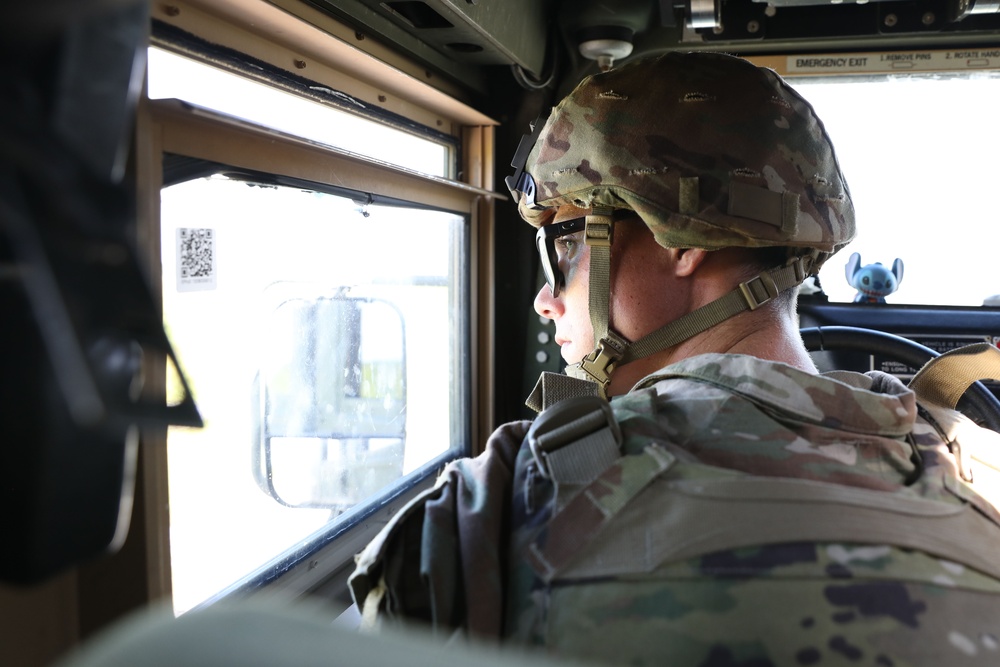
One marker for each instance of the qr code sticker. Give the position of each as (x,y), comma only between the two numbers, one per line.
(196,254)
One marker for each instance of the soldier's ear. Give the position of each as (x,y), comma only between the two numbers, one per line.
(686,260)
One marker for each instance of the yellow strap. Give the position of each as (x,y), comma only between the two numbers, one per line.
(372,605)
(944,379)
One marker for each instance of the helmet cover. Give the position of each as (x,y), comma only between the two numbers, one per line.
(708,149)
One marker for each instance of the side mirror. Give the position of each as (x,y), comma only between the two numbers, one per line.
(329,409)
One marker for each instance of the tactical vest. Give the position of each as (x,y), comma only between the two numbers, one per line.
(631,542)
(630,550)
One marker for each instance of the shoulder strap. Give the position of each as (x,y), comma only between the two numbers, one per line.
(575,440)
(552,388)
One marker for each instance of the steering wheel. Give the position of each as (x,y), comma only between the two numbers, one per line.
(978,403)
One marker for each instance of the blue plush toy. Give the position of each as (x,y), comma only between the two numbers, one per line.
(874,282)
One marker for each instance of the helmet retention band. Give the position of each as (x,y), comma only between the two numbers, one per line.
(749,295)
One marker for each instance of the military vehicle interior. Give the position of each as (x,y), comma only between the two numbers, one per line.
(208,204)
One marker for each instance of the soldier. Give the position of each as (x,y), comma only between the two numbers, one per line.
(728,505)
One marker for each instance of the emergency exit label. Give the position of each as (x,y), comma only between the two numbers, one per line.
(904,61)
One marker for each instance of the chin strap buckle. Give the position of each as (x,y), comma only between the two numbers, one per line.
(598,366)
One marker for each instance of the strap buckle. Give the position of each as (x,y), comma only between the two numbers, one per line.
(759,290)
(800,266)
(600,228)
(600,364)
(570,421)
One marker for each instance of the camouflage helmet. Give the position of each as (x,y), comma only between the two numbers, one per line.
(709,150)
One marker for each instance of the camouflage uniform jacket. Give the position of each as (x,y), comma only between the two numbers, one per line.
(758,516)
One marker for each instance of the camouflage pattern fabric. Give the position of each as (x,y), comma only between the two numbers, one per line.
(728,155)
(788,603)
(441,561)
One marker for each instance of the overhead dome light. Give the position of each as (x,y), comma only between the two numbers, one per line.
(605,44)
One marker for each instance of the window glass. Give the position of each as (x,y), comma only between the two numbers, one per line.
(324,342)
(174,76)
(919,156)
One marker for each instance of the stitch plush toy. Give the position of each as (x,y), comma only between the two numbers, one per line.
(874,282)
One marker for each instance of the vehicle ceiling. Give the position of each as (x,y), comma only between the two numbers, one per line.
(464,38)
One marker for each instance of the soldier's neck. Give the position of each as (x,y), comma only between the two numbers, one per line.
(768,336)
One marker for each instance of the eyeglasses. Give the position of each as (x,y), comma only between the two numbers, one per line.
(545,241)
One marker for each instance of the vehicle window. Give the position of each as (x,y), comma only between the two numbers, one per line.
(919,156)
(323,342)
(324,335)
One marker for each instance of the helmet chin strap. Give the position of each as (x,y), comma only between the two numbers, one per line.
(592,375)
(598,366)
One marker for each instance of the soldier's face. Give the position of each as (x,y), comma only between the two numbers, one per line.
(645,292)
(570,310)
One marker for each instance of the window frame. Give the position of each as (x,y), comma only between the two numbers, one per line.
(177,128)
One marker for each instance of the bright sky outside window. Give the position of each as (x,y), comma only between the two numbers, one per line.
(174,76)
(919,154)
(323,344)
